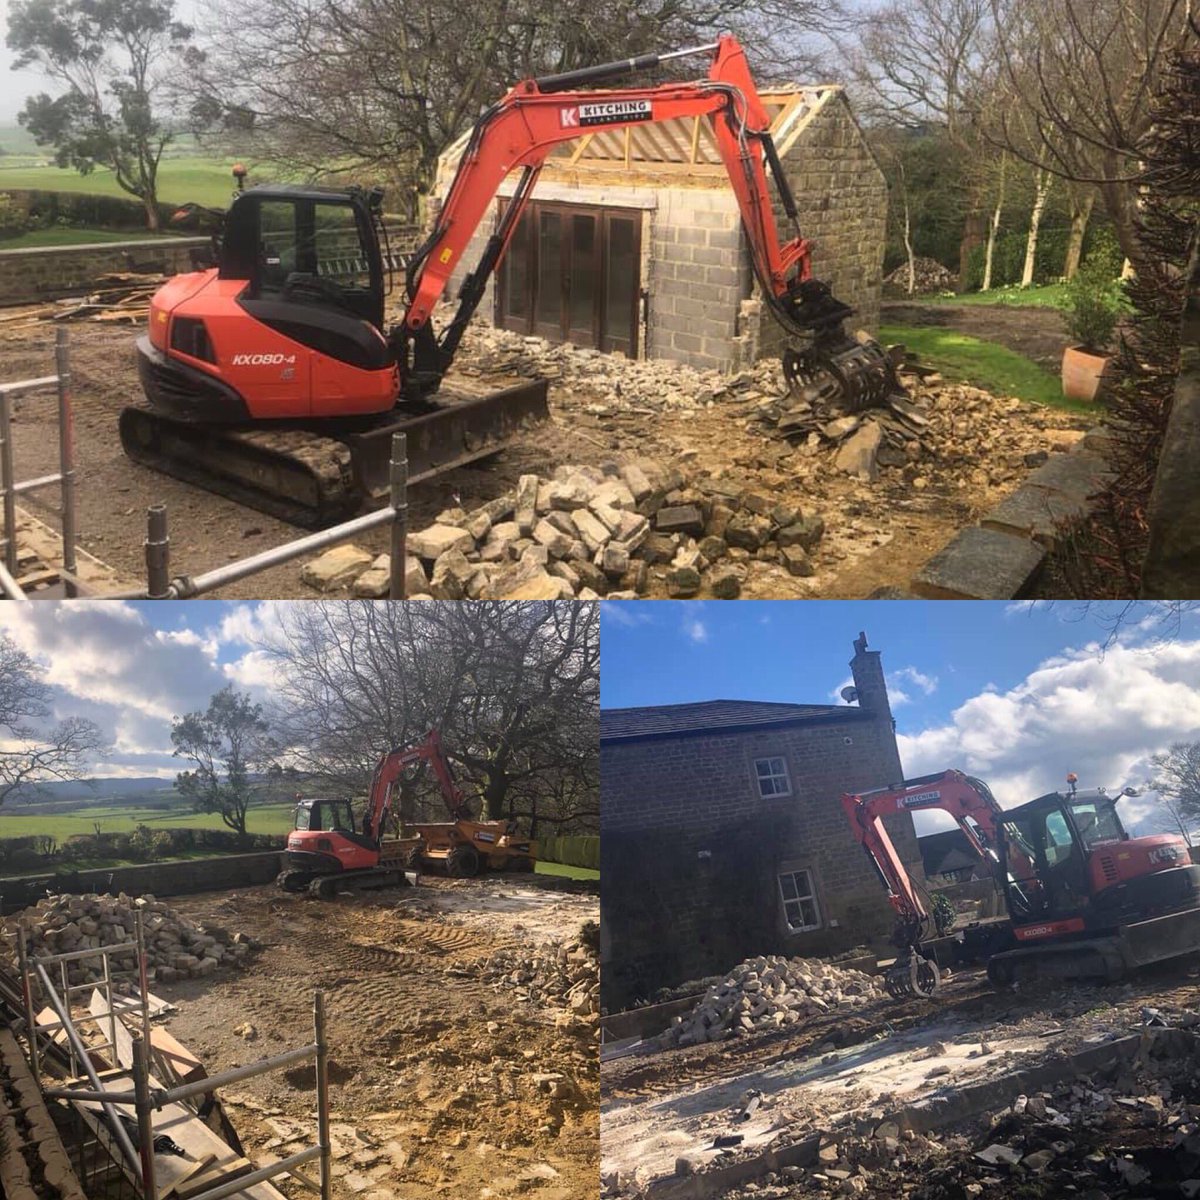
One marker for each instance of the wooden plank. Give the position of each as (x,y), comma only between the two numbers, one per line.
(194,1184)
(201,1164)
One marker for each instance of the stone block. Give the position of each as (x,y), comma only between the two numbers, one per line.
(684,518)
(338,567)
(557,543)
(981,564)
(430,544)
(525,504)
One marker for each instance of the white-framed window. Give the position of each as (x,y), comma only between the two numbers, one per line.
(799,895)
(772,775)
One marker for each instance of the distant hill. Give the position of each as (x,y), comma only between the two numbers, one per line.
(98,790)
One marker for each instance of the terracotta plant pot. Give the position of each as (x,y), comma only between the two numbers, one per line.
(1081,373)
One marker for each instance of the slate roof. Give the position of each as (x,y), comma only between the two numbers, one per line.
(722,716)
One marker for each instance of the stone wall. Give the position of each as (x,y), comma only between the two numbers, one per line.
(842,198)
(691,854)
(1172,566)
(157,879)
(48,272)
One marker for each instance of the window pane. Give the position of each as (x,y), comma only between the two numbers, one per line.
(339,255)
(549,279)
(620,284)
(516,271)
(277,240)
(787,885)
(582,283)
(809,911)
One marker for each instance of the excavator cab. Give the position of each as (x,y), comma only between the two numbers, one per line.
(324,815)
(307,247)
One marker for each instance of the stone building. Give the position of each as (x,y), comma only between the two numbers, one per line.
(633,241)
(723,835)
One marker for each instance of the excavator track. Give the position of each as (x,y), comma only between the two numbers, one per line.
(315,476)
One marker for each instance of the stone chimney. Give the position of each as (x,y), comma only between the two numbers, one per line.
(867,670)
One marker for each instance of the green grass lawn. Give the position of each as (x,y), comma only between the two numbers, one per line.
(267,818)
(62,235)
(986,365)
(549,868)
(1052,295)
(204,180)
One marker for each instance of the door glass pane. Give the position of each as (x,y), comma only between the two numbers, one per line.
(549,277)
(276,241)
(582,284)
(620,284)
(516,272)
(338,253)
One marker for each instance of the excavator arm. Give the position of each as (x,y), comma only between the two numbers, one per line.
(519,132)
(393,764)
(975,810)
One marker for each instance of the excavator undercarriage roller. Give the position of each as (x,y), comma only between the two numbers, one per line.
(852,374)
(912,975)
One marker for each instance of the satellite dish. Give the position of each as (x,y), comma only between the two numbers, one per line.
(849,694)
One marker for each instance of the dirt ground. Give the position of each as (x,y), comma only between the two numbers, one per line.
(434,1070)
(1037,333)
(839,1070)
(877,534)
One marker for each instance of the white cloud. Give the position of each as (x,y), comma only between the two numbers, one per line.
(695,630)
(629,613)
(898,695)
(927,683)
(255,671)
(1100,715)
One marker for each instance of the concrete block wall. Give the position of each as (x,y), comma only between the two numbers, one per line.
(691,853)
(842,198)
(699,274)
(39,273)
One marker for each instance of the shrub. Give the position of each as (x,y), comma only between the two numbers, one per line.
(944,914)
(13,218)
(1094,304)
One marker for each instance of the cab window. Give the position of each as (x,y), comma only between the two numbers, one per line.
(1096,823)
(1059,845)
(303,818)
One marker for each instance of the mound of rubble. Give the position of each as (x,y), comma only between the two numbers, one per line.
(771,993)
(929,275)
(562,974)
(176,948)
(590,532)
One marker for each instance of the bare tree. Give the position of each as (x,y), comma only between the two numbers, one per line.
(384,87)
(513,688)
(34,751)
(1177,782)
(921,64)
(1082,75)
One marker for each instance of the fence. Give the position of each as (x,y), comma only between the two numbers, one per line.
(10,489)
(573,851)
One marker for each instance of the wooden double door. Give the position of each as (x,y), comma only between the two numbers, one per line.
(572,274)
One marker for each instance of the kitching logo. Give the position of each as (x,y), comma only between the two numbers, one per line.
(262,360)
(610,112)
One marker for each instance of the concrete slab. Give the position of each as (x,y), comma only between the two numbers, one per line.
(1035,512)
(981,564)
(1078,474)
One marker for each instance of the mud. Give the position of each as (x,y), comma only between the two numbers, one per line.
(434,1084)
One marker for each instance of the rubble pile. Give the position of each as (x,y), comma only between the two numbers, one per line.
(771,993)
(929,275)
(590,532)
(563,974)
(176,948)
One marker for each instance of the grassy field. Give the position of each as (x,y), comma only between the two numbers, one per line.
(1052,295)
(267,818)
(549,868)
(204,180)
(64,235)
(995,368)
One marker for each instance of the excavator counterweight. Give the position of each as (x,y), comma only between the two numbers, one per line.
(270,375)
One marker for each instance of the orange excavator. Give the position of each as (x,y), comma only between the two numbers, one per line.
(325,850)
(1084,898)
(268,370)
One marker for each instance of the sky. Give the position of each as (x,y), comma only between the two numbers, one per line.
(1016,694)
(131,667)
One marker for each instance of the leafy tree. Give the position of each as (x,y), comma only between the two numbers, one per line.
(33,752)
(228,742)
(1177,782)
(111,58)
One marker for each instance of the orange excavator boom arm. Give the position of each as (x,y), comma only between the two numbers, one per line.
(393,764)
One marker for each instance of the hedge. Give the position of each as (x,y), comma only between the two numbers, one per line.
(43,208)
(572,851)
